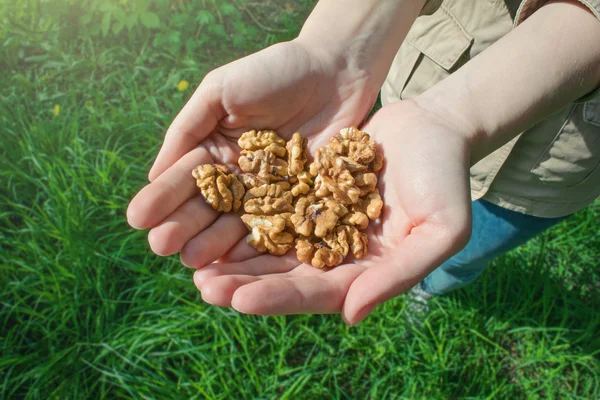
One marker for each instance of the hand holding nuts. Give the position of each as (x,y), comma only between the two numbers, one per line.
(319,208)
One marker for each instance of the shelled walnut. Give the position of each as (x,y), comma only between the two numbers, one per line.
(367,208)
(377,162)
(318,208)
(355,144)
(268,233)
(251,180)
(332,178)
(365,182)
(341,186)
(296,149)
(262,140)
(316,216)
(269,199)
(331,250)
(219,187)
(301,183)
(264,164)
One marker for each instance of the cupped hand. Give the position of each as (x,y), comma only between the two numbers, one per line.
(426,219)
(288,87)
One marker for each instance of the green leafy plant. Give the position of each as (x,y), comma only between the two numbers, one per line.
(175,27)
(115,16)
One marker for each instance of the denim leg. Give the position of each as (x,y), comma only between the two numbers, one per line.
(496,230)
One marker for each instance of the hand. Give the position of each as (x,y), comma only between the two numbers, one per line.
(288,87)
(426,219)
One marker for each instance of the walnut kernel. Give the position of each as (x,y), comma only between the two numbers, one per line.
(332,178)
(339,185)
(302,183)
(367,208)
(354,143)
(331,250)
(219,187)
(268,199)
(268,233)
(264,164)
(318,217)
(377,162)
(296,150)
(366,182)
(263,140)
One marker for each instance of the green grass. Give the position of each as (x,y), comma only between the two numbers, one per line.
(89,312)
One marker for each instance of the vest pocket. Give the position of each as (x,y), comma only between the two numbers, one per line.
(574,154)
(436,45)
(441,38)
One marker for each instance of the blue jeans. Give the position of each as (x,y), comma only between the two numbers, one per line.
(496,230)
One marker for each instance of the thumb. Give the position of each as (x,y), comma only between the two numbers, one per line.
(198,118)
(426,247)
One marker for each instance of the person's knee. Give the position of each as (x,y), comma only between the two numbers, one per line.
(452,275)
(465,263)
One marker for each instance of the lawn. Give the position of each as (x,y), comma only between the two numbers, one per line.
(89,312)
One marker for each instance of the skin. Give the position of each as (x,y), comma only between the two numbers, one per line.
(324,81)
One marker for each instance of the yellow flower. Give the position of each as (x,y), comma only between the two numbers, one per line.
(183,85)
(88,104)
(56,110)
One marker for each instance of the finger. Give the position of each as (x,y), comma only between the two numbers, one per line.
(191,218)
(218,287)
(242,251)
(426,247)
(169,191)
(219,290)
(319,294)
(261,265)
(210,244)
(198,118)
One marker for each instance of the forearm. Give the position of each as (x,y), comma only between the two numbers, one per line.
(550,60)
(363,34)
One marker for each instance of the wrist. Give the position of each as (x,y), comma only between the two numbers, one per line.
(450,107)
(363,38)
(409,124)
(340,62)
(336,67)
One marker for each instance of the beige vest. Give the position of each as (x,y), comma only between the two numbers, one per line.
(550,170)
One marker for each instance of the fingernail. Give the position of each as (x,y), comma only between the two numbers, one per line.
(151,174)
(131,216)
(364,313)
(200,277)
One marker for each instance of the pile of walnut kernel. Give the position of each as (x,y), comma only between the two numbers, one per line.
(319,210)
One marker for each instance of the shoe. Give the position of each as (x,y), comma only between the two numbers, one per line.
(417,306)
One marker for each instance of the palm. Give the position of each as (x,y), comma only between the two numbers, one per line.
(285,88)
(426,213)
(288,89)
